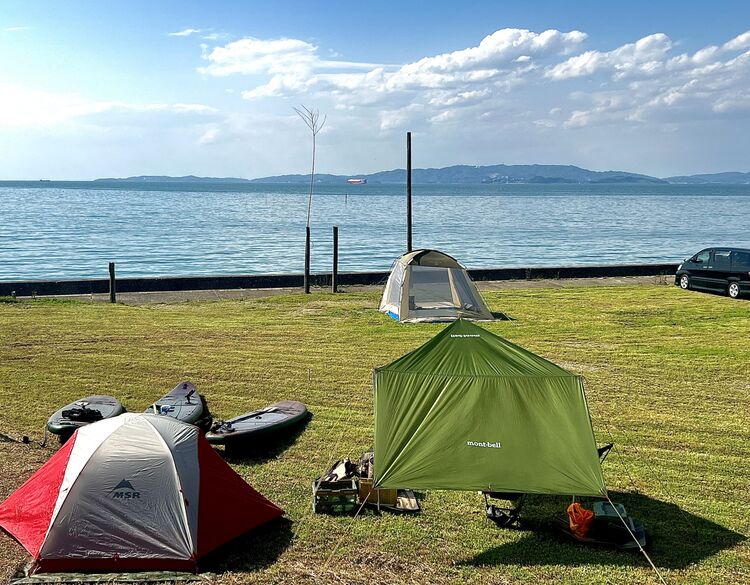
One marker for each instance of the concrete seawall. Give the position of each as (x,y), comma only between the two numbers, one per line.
(260,281)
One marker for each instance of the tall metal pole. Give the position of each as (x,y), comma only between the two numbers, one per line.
(408,192)
(335,271)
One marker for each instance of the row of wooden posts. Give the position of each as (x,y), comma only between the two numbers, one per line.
(334,271)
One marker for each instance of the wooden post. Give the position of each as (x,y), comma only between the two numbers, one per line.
(112,285)
(335,272)
(408,192)
(307,261)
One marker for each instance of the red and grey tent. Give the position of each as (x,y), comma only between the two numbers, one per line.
(132,493)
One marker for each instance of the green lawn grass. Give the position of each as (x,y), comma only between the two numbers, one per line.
(668,379)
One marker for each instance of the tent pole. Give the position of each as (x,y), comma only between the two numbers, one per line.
(645,554)
(408,192)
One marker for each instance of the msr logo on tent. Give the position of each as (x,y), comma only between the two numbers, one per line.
(125,491)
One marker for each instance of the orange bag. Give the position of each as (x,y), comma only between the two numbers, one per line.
(580,519)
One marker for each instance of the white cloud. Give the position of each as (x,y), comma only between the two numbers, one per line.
(738,43)
(185,32)
(214,36)
(253,56)
(645,56)
(497,51)
(652,86)
(637,82)
(294,67)
(15,28)
(22,107)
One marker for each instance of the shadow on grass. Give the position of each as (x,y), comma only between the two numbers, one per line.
(675,538)
(254,551)
(266,447)
(499,316)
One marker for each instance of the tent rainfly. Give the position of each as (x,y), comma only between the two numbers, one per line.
(137,492)
(428,285)
(469,410)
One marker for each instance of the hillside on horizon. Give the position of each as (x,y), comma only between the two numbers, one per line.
(467,174)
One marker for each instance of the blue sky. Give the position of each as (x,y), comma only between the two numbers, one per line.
(122,88)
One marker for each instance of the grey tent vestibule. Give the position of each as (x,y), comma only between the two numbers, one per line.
(428,285)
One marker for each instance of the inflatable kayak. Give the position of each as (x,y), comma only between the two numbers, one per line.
(184,404)
(273,418)
(82,412)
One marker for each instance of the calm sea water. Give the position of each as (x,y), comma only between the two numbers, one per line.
(71,230)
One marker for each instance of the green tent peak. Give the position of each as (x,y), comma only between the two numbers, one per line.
(466,349)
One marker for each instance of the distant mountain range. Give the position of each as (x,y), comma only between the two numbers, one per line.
(485,174)
(465,174)
(721,178)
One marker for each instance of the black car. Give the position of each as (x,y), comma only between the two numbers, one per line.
(725,270)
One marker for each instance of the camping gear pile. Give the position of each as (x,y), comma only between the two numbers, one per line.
(347,487)
(608,524)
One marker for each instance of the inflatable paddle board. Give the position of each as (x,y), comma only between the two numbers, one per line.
(184,404)
(276,417)
(82,412)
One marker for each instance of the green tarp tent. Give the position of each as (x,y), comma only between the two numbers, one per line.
(471,411)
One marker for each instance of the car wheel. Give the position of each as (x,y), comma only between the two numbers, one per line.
(733,290)
(684,282)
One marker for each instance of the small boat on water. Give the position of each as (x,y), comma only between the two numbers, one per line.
(82,412)
(259,423)
(184,404)
(357,181)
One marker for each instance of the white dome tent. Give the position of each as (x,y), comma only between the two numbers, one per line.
(428,285)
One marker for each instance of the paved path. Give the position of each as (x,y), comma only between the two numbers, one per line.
(247,293)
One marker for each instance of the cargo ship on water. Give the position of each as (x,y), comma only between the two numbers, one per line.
(357,181)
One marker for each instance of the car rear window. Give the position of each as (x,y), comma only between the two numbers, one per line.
(721,259)
(741,260)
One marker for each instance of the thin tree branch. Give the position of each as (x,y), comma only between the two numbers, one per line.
(311,118)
